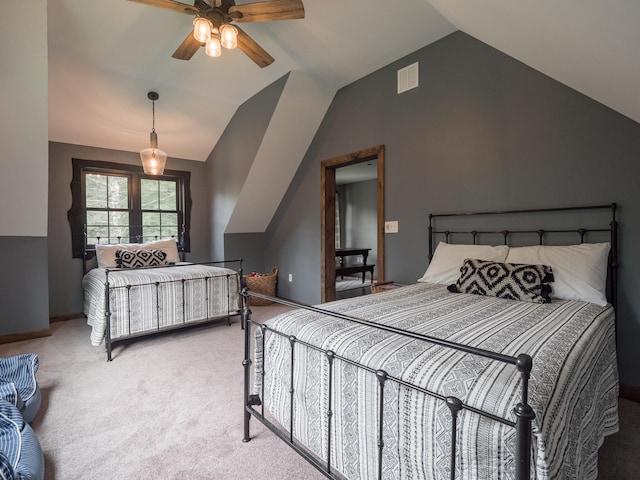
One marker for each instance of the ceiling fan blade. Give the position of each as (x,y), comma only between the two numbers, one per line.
(170,5)
(187,48)
(267,11)
(254,51)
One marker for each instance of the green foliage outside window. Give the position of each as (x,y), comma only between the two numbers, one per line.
(107,200)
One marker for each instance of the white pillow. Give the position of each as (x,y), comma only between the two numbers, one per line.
(448,258)
(168,246)
(580,271)
(106,254)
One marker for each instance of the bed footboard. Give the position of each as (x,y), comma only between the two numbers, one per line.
(253,405)
(162,304)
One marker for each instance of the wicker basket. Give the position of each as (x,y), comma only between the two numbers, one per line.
(264,283)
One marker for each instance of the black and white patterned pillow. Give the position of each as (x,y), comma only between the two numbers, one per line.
(512,281)
(140,258)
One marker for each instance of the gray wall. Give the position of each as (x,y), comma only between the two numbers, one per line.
(65,273)
(23,181)
(230,161)
(482,131)
(249,247)
(24,297)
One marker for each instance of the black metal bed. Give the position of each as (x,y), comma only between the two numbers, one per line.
(203,281)
(181,316)
(253,406)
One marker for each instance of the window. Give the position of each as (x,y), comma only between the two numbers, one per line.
(118,203)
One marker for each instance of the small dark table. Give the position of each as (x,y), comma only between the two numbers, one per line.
(349,252)
(363,267)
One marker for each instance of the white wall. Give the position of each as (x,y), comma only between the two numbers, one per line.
(23,118)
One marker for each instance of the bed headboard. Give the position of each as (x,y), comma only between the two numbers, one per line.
(134,236)
(541,226)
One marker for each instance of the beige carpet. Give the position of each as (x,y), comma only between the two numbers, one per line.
(170,407)
(166,407)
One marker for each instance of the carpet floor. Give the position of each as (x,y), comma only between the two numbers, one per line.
(170,407)
(166,407)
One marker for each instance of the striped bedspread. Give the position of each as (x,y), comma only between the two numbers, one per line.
(573,384)
(206,292)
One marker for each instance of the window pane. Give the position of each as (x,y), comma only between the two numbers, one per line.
(118,192)
(97,227)
(119,235)
(150,225)
(168,198)
(95,191)
(169,225)
(150,219)
(119,219)
(149,194)
(169,232)
(169,219)
(97,218)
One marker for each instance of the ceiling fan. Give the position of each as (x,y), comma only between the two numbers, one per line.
(213,26)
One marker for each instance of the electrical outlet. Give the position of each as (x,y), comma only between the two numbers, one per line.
(391,227)
(291,277)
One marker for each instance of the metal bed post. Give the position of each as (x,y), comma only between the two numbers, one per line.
(525,415)
(614,258)
(292,342)
(246,363)
(330,358)
(455,405)
(382,378)
(107,314)
(158,304)
(430,237)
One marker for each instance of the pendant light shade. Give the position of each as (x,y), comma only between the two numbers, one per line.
(202,29)
(228,36)
(153,159)
(213,48)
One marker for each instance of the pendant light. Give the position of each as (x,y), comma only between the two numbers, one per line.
(153,159)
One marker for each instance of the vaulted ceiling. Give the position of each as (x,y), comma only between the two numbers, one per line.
(104,56)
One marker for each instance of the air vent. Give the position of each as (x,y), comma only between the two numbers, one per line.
(408,78)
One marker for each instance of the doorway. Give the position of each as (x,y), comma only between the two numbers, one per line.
(328,206)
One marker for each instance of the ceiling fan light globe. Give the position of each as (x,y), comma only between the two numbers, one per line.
(229,36)
(202,29)
(212,47)
(153,161)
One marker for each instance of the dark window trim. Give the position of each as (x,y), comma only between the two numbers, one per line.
(76,214)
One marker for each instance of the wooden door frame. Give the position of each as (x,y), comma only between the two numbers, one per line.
(328,206)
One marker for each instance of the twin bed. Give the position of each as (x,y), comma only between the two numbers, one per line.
(500,362)
(140,289)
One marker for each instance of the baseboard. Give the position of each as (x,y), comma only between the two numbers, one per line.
(65,316)
(630,392)
(18,337)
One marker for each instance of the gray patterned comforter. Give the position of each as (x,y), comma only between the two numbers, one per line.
(573,385)
(207,292)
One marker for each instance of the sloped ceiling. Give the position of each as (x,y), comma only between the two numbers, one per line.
(104,56)
(589,45)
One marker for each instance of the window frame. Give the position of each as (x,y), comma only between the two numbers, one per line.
(77,213)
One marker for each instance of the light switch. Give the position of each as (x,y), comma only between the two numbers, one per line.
(391,226)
